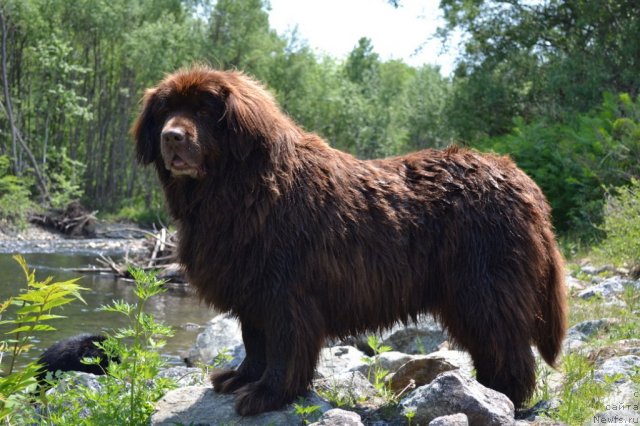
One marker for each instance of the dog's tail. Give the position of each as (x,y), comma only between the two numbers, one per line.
(552,325)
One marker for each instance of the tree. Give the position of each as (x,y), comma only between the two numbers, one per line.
(541,58)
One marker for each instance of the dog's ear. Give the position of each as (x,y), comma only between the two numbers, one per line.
(243,133)
(146,129)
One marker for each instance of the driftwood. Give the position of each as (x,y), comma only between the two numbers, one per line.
(74,220)
(160,257)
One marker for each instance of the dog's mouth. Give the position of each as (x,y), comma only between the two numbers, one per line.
(179,166)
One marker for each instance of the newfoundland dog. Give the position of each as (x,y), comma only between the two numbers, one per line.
(302,242)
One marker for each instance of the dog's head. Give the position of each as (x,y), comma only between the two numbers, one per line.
(199,116)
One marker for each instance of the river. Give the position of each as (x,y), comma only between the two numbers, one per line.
(178,308)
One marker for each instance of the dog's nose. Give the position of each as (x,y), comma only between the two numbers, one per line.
(173,136)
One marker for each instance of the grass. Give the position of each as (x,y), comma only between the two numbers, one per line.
(580,396)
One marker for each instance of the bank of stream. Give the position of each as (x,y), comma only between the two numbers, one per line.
(53,255)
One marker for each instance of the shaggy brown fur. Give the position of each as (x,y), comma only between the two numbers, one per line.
(303,242)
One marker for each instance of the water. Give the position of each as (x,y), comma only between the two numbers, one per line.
(178,308)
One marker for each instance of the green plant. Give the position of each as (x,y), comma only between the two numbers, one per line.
(128,393)
(380,374)
(32,313)
(308,413)
(581,394)
(337,396)
(621,226)
(222,357)
(65,175)
(543,390)
(375,368)
(410,413)
(145,212)
(15,197)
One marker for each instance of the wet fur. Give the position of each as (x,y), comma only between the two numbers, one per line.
(303,242)
(67,355)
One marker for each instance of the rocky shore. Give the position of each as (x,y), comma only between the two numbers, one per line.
(421,380)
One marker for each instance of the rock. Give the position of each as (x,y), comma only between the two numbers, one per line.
(421,338)
(594,270)
(542,410)
(460,359)
(346,388)
(452,393)
(619,372)
(422,370)
(338,417)
(199,405)
(615,349)
(185,376)
(583,331)
(72,379)
(574,283)
(591,327)
(392,360)
(339,359)
(607,289)
(571,344)
(623,366)
(221,335)
(388,361)
(459,419)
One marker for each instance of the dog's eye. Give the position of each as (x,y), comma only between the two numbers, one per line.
(202,112)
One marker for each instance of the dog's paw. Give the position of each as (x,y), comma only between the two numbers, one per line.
(257,398)
(228,381)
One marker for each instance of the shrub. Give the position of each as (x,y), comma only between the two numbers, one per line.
(574,161)
(622,226)
(32,311)
(65,175)
(128,393)
(15,202)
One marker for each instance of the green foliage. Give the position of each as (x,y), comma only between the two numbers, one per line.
(15,196)
(144,212)
(409,414)
(622,226)
(31,313)
(308,413)
(377,375)
(128,393)
(581,394)
(572,161)
(538,59)
(66,176)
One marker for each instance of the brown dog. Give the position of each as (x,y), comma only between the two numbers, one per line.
(303,242)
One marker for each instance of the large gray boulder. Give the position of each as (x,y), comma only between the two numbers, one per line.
(453,393)
(338,417)
(339,359)
(202,406)
(221,335)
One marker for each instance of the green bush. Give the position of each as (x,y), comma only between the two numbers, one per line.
(65,176)
(127,394)
(622,226)
(30,316)
(130,390)
(573,162)
(145,211)
(15,197)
